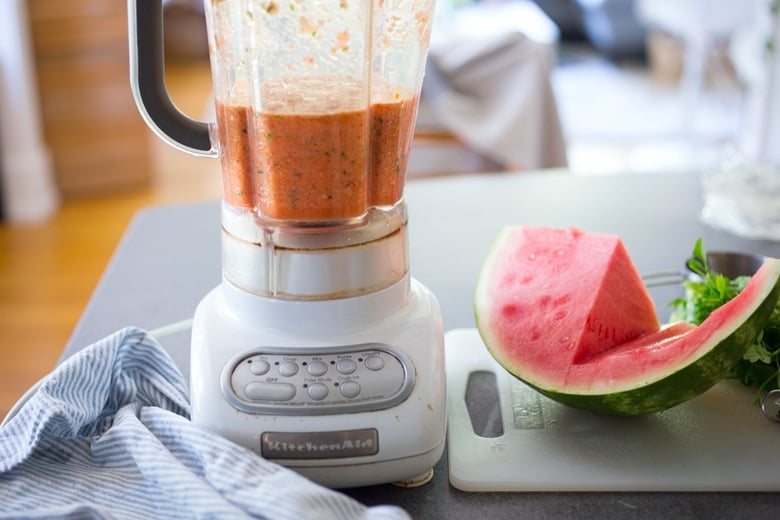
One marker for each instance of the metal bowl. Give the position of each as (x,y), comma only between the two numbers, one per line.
(732,264)
(728,263)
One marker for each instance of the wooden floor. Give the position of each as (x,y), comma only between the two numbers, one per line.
(48,271)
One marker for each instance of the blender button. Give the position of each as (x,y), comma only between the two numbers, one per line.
(349,389)
(270,391)
(259,367)
(318,391)
(317,368)
(374,363)
(288,368)
(346,366)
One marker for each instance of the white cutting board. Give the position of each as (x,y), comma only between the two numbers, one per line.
(718,441)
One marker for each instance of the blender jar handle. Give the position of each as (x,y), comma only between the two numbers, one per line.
(147,80)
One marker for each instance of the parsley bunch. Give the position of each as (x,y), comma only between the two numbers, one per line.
(760,365)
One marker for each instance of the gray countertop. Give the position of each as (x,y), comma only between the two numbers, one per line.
(169,259)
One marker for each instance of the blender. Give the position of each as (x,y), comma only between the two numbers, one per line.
(317,350)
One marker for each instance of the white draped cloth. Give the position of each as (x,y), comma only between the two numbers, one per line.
(492,89)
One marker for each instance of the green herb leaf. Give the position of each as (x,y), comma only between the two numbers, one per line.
(760,365)
(757,352)
(698,261)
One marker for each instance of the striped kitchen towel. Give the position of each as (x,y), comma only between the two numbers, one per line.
(107,435)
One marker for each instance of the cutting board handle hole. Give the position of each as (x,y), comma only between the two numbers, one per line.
(483,404)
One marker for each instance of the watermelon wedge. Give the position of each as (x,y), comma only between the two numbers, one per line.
(566,312)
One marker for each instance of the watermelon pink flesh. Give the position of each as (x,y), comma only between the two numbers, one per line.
(565,296)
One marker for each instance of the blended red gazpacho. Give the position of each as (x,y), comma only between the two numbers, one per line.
(294,163)
(233,134)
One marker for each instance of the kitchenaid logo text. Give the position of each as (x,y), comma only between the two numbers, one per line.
(319,445)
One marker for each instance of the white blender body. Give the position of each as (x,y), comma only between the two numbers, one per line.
(318,350)
(348,392)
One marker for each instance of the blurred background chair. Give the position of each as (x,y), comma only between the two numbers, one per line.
(703,27)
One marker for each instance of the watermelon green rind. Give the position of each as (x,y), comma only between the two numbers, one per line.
(703,355)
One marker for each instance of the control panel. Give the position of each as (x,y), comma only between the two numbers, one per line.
(318,381)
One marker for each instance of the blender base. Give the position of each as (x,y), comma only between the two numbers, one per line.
(348,392)
(417,481)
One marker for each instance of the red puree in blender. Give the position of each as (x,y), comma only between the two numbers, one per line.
(315,166)
(233,133)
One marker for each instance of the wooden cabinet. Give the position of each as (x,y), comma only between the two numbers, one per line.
(98,141)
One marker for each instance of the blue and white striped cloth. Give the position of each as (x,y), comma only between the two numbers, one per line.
(107,435)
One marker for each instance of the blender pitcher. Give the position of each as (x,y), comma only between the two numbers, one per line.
(315,103)
(315,108)
(318,349)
